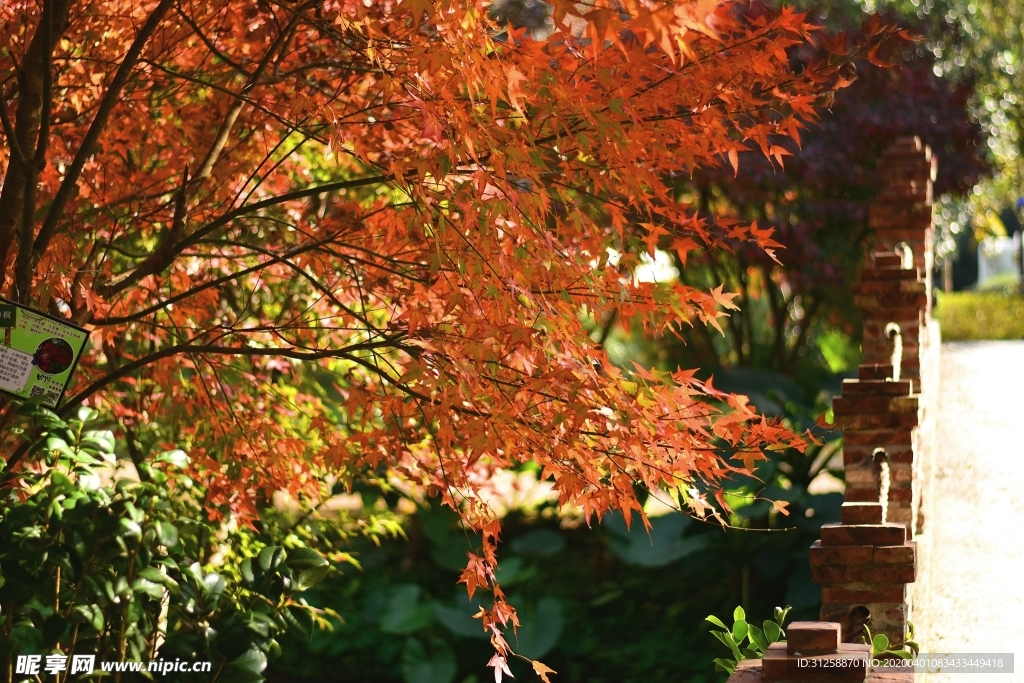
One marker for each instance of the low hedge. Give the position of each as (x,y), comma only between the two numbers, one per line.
(969,316)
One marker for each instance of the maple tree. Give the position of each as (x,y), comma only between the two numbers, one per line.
(324,241)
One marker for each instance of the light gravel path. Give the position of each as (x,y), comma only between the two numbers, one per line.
(975,508)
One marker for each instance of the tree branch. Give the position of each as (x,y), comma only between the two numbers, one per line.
(99,123)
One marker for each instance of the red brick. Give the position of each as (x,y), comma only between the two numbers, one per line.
(887,301)
(863,475)
(867,387)
(889,274)
(898,210)
(905,403)
(886,420)
(911,327)
(896,554)
(854,405)
(888,260)
(874,370)
(778,665)
(899,455)
(901,474)
(861,495)
(878,574)
(831,576)
(863,534)
(840,554)
(878,438)
(861,513)
(863,595)
(812,637)
(910,235)
(897,495)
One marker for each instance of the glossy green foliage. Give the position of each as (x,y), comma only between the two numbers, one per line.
(746,640)
(96,562)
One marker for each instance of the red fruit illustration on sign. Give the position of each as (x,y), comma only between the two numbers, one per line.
(54,356)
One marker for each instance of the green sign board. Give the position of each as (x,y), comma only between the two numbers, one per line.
(38,353)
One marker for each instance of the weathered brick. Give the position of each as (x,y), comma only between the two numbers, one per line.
(889,274)
(878,438)
(812,637)
(861,495)
(882,574)
(854,405)
(896,554)
(888,260)
(875,370)
(831,576)
(897,495)
(899,455)
(885,420)
(861,513)
(863,595)
(840,554)
(779,665)
(897,304)
(863,534)
(900,513)
(865,387)
(900,474)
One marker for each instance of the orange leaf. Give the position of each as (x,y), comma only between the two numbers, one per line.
(543,670)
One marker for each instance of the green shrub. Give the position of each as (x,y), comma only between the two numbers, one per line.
(113,567)
(967,316)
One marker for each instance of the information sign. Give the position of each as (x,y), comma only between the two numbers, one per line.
(38,353)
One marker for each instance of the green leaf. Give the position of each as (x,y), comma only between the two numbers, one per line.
(901,653)
(541,628)
(726,665)
(772,632)
(738,614)
(147,587)
(166,534)
(716,621)
(176,458)
(758,638)
(300,618)
(305,558)
(91,614)
(879,644)
(270,557)
(248,668)
(245,568)
(422,666)
(740,628)
(459,623)
(312,566)
(405,614)
(780,615)
(726,639)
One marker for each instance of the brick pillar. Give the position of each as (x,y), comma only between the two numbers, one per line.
(878,414)
(864,566)
(866,563)
(902,215)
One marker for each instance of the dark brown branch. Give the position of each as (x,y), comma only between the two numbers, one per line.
(197,236)
(99,123)
(178,349)
(118,320)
